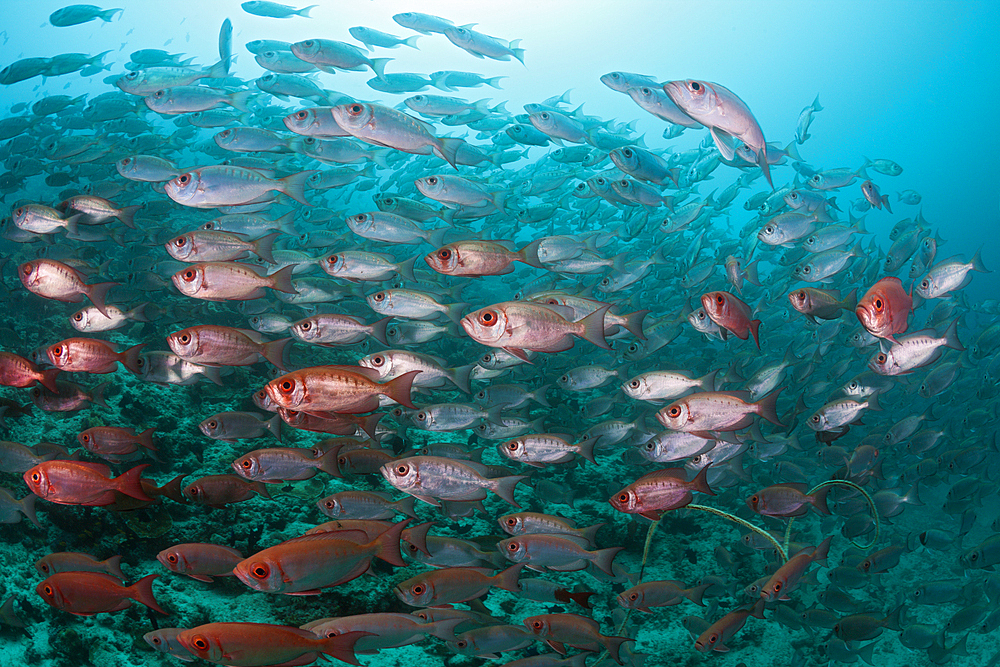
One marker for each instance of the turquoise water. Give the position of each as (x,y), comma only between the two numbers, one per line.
(910,83)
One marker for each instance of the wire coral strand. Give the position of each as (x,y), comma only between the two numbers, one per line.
(871,505)
(746,524)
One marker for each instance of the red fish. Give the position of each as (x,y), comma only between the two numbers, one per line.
(259,644)
(16,371)
(732,314)
(200,561)
(884,309)
(83,483)
(91,355)
(89,593)
(220,490)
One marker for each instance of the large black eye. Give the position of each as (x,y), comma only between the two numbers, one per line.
(444,253)
(879,305)
(623,498)
(537,625)
(418,589)
(627,152)
(512,546)
(184,179)
(200,643)
(172,558)
(402,470)
(184,338)
(674,411)
(189,275)
(356,108)
(721,300)
(286,386)
(78,317)
(881,358)
(260,570)
(487,318)
(306,326)
(302,115)
(695,86)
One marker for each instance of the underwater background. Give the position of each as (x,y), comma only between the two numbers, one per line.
(898,84)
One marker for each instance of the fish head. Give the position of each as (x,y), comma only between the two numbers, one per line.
(354,116)
(626,500)
(307,330)
(203,643)
(542,120)
(636,388)
(926,287)
(707,640)
(81,320)
(288,391)
(881,363)
(38,481)
(184,343)
(263,401)
(50,591)
(630,599)
(514,450)
(31,273)
(248,466)
(183,188)
(306,49)
(538,625)
(616,81)
(445,260)
(818,421)
(173,559)
(180,247)
(773,590)
(695,98)
(876,309)
(794,199)
(432,186)
(512,524)
(800,301)
(419,593)
(513,549)
(771,234)
(380,362)
(675,415)
(261,572)
(459,36)
(60,354)
(487,325)
(403,475)
(719,306)
(804,271)
(757,503)
(301,121)
(331,506)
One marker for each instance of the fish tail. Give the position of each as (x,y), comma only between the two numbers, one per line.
(582,598)
(700,482)
(754,329)
(951,336)
(504,487)
(213,373)
(447,149)
(850,301)
(130,483)
(604,559)
(275,352)
(633,323)
(406,506)
(48,379)
(593,327)
(461,377)
(586,449)
(274,426)
(539,395)
(405,269)
(146,438)
(885,202)
(378,330)
(138,314)
(142,591)
(750,274)
(127,215)
(590,532)
(411,41)
(97,395)
(219,70)
(495,82)
(263,246)
(707,381)
(767,407)
(977,262)
(294,185)
(388,544)
(613,646)
(697,593)
(27,507)
(378,66)
(341,647)
(114,566)
(417,536)
(507,580)
(328,463)
(368,424)
(398,389)
(764,166)
(239,100)
(454,311)
(97,293)
(281,280)
(529,254)
(130,358)
(818,500)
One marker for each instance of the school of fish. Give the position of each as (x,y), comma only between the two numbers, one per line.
(534,376)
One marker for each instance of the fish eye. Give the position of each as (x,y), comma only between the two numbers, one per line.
(814,419)
(461,643)
(881,358)
(85,437)
(48,590)
(308,43)
(694,86)
(329,504)
(633,597)
(402,469)
(356,108)
(379,296)
(200,643)
(418,589)
(172,558)
(78,317)
(26,269)
(189,275)
(768,229)
(537,625)
(879,305)
(184,338)
(378,360)
(35,477)
(623,498)
(754,500)
(260,570)
(180,241)
(307,325)
(247,464)
(634,384)
(674,411)
(806,269)
(512,445)
(285,386)
(793,195)
(432,180)
(512,546)
(444,253)
(924,284)
(721,300)
(511,521)
(57,350)
(544,115)
(487,318)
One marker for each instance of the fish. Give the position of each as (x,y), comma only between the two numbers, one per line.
(275,10)
(258,644)
(454,584)
(884,309)
(231,281)
(656,493)
(54,280)
(433,479)
(519,326)
(949,275)
(16,371)
(89,593)
(83,483)
(200,561)
(339,389)
(224,185)
(724,114)
(707,411)
(78,562)
(78,14)
(732,314)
